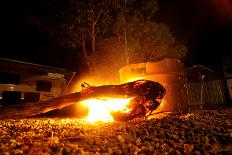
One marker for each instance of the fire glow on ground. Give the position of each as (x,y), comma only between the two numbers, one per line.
(201,132)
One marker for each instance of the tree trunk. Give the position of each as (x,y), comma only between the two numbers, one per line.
(30,109)
(126,90)
(93,38)
(125,35)
(126,47)
(85,53)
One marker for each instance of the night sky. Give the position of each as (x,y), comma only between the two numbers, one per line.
(205,26)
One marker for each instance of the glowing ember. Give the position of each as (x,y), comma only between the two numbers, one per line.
(100,109)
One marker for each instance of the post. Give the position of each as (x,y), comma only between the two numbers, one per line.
(202,88)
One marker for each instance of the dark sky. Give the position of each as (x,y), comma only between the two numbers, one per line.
(17,35)
(205,26)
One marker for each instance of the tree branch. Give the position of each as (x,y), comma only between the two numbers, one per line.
(99,13)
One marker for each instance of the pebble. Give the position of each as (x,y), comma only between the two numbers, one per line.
(201,132)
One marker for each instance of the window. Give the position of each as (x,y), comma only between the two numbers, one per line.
(229,70)
(31,97)
(9,78)
(43,86)
(11,97)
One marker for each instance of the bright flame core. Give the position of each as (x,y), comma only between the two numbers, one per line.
(100,109)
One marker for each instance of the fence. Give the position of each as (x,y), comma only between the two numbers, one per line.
(214,92)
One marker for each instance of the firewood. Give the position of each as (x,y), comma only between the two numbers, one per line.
(144,88)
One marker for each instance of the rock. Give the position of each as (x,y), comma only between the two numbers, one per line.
(120,139)
(215,148)
(205,139)
(165,148)
(175,137)
(133,149)
(188,148)
(175,152)
(197,153)
(57,150)
(161,131)
(138,141)
(166,135)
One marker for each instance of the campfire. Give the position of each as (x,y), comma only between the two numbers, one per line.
(201,132)
(100,109)
(123,109)
(106,103)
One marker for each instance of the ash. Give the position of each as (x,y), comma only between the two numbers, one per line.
(200,132)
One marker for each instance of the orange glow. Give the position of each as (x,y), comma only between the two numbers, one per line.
(100,109)
(134,79)
(93,81)
(223,8)
(162,106)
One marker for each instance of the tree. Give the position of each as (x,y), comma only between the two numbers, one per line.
(143,38)
(85,25)
(108,60)
(88,19)
(128,12)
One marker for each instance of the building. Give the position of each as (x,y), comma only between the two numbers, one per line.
(227,69)
(168,72)
(186,88)
(206,88)
(22,82)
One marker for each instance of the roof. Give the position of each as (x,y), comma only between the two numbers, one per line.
(198,69)
(9,65)
(196,72)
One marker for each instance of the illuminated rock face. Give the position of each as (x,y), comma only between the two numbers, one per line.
(168,72)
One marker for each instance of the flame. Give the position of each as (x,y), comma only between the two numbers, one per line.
(100,109)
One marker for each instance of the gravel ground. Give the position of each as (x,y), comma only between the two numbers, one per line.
(201,132)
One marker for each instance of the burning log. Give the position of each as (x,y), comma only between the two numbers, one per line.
(147,96)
